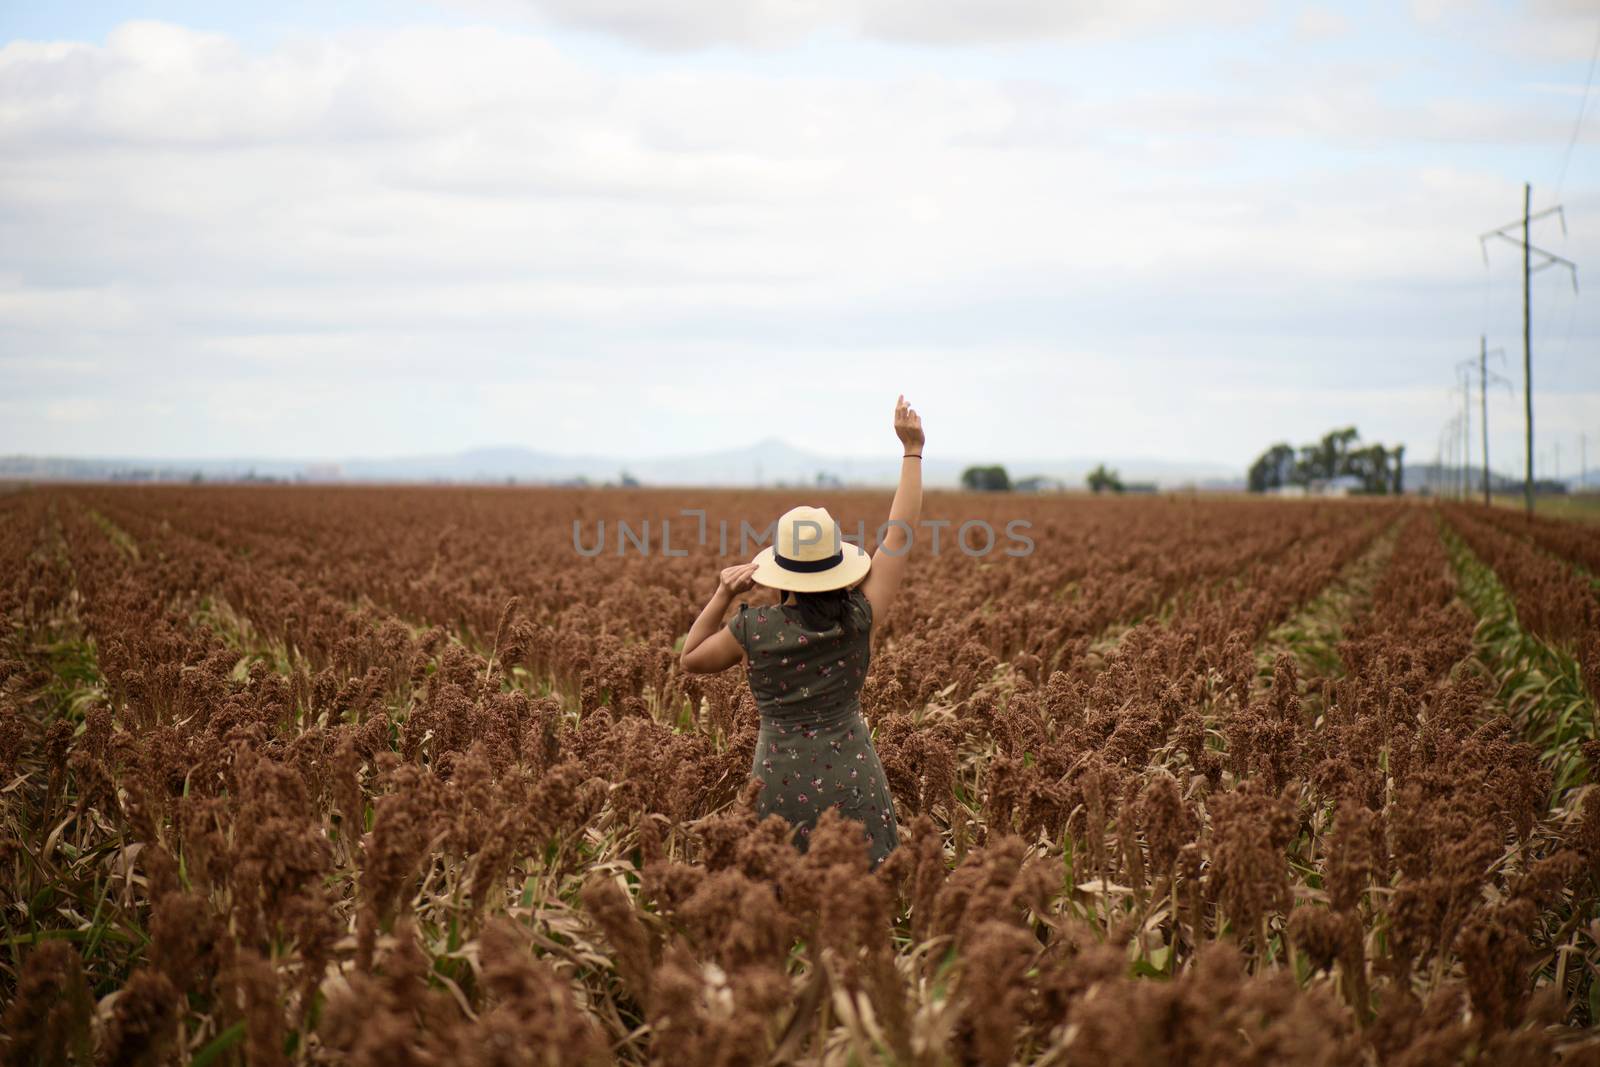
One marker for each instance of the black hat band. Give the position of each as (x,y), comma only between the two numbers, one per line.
(808,566)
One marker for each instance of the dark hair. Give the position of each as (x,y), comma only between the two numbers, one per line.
(824,610)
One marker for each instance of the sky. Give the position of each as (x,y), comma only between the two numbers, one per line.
(1162,228)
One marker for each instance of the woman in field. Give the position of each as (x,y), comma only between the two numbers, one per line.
(808,655)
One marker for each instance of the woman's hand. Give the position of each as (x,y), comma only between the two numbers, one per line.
(907,426)
(737,579)
(889,561)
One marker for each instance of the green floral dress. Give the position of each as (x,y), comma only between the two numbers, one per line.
(814,750)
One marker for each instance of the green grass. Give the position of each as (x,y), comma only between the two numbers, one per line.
(1313,633)
(1580,507)
(1541,685)
(116,534)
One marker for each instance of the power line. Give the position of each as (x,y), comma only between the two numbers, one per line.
(1577,126)
(1566,338)
(1546,259)
(1561,177)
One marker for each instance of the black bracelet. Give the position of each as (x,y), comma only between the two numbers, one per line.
(912,455)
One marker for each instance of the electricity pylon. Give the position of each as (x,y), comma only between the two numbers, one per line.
(1547,259)
(1486,377)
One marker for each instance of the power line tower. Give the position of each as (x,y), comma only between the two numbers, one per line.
(1485,378)
(1464,383)
(1547,259)
(1436,474)
(1451,479)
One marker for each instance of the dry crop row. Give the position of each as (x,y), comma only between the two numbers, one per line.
(398,776)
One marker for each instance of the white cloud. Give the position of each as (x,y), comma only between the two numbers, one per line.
(1551,29)
(770,23)
(1544,30)
(74,409)
(1318,23)
(404,240)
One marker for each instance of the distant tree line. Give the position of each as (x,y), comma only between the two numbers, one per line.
(1339,454)
(1100,479)
(986,479)
(994,479)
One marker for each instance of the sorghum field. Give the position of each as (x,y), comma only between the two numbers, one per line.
(396,776)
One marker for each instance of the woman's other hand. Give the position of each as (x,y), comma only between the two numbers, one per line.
(737,579)
(709,646)
(908,426)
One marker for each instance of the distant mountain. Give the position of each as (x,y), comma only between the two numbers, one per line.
(768,462)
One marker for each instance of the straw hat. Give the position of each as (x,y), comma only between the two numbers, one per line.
(808,555)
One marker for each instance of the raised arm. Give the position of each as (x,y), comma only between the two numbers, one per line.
(710,646)
(889,561)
